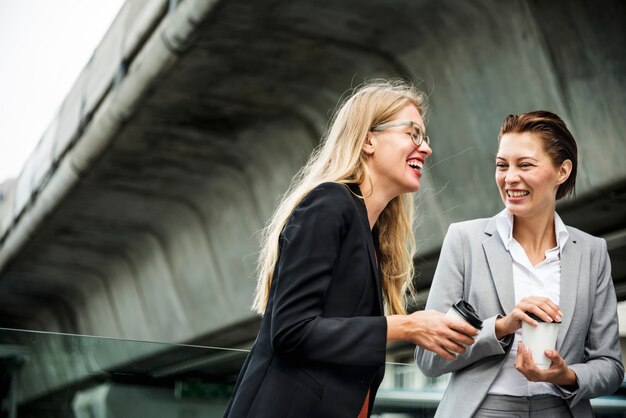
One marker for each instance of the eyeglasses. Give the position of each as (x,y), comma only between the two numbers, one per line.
(417,135)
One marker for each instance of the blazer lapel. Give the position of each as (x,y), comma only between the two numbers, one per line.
(570,272)
(372,244)
(369,241)
(501,267)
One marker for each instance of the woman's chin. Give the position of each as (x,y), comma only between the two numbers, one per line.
(516,210)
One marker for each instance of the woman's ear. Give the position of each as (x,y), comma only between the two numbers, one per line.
(564,171)
(368,144)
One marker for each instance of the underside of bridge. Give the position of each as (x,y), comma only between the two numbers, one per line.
(138,218)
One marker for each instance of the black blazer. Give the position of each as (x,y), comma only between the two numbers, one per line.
(322,340)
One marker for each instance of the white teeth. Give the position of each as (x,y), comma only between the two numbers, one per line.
(517,193)
(415,164)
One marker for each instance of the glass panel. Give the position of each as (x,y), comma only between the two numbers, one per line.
(59,375)
(48,375)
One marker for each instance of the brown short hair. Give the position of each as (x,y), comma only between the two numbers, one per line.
(558,141)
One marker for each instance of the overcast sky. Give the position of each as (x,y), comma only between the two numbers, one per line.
(44,44)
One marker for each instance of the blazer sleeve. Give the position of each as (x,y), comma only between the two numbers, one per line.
(602,372)
(446,289)
(311,243)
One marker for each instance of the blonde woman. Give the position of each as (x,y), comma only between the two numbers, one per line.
(337,256)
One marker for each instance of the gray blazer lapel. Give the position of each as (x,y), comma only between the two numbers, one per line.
(501,267)
(570,270)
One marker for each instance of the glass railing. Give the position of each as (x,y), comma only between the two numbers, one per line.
(60,375)
(50,375)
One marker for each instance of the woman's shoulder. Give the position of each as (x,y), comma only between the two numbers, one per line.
(327,205)
(579,236)
(328,197)
(471,225)
(472,232)
(331,187)
(329,193)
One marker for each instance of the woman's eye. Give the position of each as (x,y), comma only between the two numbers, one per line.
(500,165)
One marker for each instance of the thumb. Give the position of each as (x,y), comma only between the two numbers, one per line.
(553,355)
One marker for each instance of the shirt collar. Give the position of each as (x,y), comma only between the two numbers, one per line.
(562,234)
(504,225)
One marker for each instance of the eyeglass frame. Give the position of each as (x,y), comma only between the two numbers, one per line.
(422,135)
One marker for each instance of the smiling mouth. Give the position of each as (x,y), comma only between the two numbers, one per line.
(416,165)
(517,193)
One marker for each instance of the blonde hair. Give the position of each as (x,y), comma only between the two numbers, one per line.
(339,159)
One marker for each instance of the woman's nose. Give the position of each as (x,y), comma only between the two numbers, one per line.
(425,148)
(512,176)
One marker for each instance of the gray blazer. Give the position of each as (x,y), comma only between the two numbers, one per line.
(475,265)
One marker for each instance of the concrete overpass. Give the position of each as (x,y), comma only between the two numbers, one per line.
(136,215)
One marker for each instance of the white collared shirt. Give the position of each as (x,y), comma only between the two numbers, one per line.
(544,279)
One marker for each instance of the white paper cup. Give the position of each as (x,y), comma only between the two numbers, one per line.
(465,312)
(539,339)
(452,313)
(462,311)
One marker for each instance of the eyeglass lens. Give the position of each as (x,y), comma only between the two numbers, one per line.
(417,136)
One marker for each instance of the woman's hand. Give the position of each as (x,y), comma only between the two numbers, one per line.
(433,331)
(558,373)
(544,308)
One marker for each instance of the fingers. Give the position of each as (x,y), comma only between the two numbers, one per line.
(442,335)
(543,307)
(526,358)
(518,357)
(464,330)
(461,339)
(461,333)
(454,347)
(520,315)
(556,359)
(525,365)
(447,349)
(521,359)
(456,342)
(557,373)
(458,335)
(443,353)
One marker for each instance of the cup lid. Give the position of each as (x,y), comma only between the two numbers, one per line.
(538,319)
(468,312)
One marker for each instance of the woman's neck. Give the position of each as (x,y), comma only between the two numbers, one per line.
(375,201)
(535,234)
